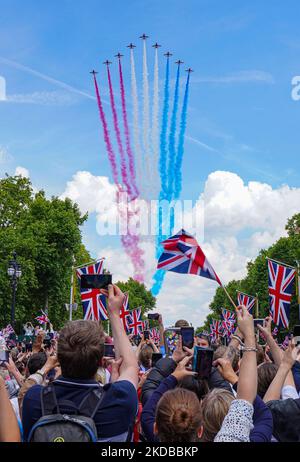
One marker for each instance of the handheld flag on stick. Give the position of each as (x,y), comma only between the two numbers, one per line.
(247,300)
(93,302)
(216,330)
(182,254)
(43,319)
(135,322)
(281,278)
(125,313)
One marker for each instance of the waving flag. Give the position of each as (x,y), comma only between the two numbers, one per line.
(281,280)
(135,322)
(182,254)
(247,300)
(93,302)
(228,322)
(43,319)
(125,313)
(275,332)
(7,331)
(216,330)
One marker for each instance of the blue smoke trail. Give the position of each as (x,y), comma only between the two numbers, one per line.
(159,275)
(172,148)
(180,149)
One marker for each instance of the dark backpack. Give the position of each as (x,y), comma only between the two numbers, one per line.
(55,427)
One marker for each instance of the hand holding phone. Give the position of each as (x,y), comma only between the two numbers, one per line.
(95,281)
(154,316)
(109,351)
(187,335)
(202,362)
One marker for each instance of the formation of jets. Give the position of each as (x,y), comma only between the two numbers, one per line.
(132,46)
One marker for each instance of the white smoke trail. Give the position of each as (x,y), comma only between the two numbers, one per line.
(136,127)
(155,127)
(146,124)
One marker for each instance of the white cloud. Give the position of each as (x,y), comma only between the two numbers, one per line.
(240,219)
(21,171)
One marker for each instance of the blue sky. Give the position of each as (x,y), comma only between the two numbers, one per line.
(241,117)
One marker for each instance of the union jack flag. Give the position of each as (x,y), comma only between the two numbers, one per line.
(93,302)
(281,280)
(154,335)
(7,331)
(125,314)
(135,322)
(43,319)
(182,254)
(228,322)
(275,332)
(285,343)
(246,300)
(216,330)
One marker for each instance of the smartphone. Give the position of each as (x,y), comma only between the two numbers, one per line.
(95,281)
(156,357)
(202,362)
(136,339)
(187,334)
(146,335)
(296,335)
(154,316)
(259,322)
(4,357)
(109,350)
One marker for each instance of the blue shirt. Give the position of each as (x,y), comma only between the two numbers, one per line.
(116,414)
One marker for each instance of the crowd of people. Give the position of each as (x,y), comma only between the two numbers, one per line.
(70,389)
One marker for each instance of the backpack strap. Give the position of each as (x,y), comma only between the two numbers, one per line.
(49,404)
(91,402)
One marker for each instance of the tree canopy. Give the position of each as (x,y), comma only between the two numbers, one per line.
(285,250)
(46,235)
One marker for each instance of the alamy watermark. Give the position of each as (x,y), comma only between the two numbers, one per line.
(295,94)
(151,218)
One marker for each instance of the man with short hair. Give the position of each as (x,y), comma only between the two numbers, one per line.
(80,350)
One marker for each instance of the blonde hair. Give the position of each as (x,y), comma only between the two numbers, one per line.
(215,407)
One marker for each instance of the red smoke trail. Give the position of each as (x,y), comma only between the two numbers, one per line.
(127,135)
(111,154)
(118,135)
(129,242)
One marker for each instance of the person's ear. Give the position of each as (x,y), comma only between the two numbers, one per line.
(155,430)
(200,432)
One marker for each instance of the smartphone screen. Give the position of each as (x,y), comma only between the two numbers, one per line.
(146,335)
(95,281)
(259,322)
(4,357)
(156,357)
(187,334)
(154,316)
(296,334)
(109,350)
(202,363)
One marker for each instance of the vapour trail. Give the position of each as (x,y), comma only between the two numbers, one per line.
(127,135)
(180,149)
(118,134)
(159,274)
(172,135)
(155,123)
(136,127)
(163,135)
(109,148)
(146,123)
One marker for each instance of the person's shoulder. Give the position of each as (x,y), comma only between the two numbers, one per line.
(33,393)
(122,387)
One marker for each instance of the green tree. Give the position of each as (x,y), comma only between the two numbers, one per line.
(46,235)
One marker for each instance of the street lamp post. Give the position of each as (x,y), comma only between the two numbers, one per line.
(14,272)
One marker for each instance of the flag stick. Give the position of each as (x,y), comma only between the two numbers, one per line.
(280,263)
(71,295)
(226,292)
(257,307)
